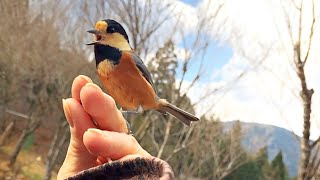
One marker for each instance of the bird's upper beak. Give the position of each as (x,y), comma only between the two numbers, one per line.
(98,36)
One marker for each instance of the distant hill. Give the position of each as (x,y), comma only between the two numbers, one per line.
(256,136)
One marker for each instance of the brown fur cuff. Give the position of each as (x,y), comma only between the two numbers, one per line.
(138,168)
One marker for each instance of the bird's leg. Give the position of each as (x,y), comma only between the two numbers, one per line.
(140,109)
(125,114)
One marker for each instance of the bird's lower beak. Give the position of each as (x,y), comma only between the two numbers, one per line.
(98,36)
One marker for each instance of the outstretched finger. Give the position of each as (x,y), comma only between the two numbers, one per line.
(77,85)
(102,109)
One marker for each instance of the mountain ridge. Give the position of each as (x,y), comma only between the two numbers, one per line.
(257,136)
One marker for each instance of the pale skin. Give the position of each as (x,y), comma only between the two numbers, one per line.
(92,145)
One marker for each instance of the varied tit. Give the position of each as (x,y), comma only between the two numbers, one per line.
(124,75)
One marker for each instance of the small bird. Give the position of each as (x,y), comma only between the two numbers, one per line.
(124,75)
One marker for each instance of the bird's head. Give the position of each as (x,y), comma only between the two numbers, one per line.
(110,32)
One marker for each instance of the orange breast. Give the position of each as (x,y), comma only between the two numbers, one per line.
(126,85)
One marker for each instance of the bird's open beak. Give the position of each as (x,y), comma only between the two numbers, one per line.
(98,36)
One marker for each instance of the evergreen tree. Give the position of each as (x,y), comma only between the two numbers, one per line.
(262,157)
(154,124)
(259,168)
(249,170)
(279,170)
(263,163)
(163,69)
(255,169)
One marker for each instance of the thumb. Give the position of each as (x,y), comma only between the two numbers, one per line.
(113,145)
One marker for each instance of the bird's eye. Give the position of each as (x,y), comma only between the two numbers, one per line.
(111,30)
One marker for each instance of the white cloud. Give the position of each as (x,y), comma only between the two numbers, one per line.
(181,21)
(182,53)
(186,15)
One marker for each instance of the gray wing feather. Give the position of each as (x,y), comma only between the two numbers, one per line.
(143,69)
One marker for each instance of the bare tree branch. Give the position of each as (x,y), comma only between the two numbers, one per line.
(311,34)
(17,114)
(166,137)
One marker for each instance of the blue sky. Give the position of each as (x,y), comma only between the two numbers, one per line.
(216,56)
(191,2)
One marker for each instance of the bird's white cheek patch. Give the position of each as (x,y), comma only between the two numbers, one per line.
(105,68)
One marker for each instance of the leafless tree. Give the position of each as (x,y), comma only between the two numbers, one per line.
(302,48)
(36,73)
(32,126)
(59,139)
(300,20)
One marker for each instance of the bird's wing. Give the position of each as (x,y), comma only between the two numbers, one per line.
(143,69)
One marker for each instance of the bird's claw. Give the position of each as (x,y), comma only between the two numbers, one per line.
(129,128)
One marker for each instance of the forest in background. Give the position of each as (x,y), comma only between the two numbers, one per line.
(42,51)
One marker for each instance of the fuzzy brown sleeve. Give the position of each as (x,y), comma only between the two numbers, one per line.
(138,168)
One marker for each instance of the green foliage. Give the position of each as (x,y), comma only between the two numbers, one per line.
(262,157)
(249,170)
(279,170)
(259,168)
(163,69)
(29,142)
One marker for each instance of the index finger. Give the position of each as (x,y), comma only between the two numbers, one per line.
(102,109)
(77,85)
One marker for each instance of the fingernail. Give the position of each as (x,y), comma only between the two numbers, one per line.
(95,131)
(93,86)
(67,112)
(85,78)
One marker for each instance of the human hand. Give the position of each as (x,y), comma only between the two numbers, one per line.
(92,145)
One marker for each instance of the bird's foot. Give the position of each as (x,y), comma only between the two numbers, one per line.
(129,128)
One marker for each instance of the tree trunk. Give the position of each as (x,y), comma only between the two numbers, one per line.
(14,155)
(5,133)
(306,96)
(55,149)
(3,116)
(30,129)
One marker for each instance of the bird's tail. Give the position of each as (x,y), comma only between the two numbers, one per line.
(178,113)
